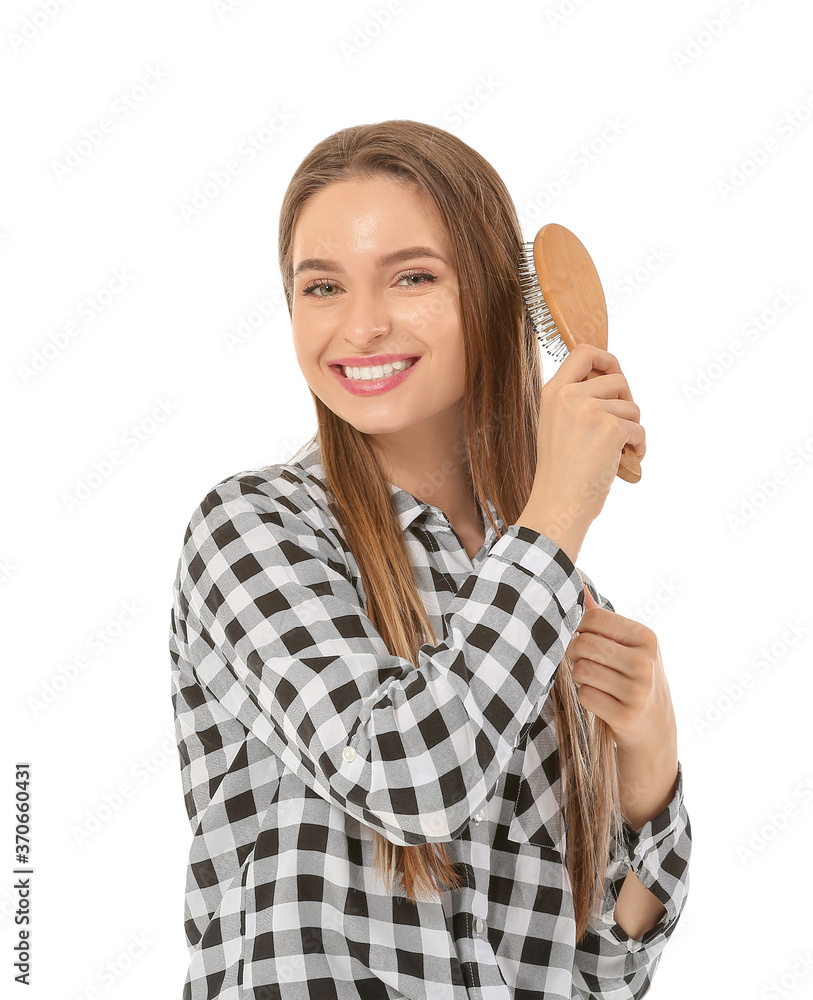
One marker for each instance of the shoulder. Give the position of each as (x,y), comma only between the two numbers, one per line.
(283,501)
(284,489)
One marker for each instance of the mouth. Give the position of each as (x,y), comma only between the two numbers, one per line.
(380,381)
(385,371)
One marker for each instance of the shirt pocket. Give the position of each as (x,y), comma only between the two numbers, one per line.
(537,812)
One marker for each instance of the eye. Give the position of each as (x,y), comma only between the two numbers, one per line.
(417,274)
(319,283)
(326,283)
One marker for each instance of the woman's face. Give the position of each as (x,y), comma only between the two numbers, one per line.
(350,302)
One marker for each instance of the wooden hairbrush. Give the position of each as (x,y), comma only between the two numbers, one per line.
(565,300)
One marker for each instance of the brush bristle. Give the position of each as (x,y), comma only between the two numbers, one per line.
(537,307)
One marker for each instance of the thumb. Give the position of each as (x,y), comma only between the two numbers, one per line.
(589,602)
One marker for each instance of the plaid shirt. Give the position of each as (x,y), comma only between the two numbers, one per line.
(300,734)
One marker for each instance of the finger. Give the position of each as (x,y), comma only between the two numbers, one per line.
(610,386)
(607,679)
(624,408)
(585,358)
(592,648)
(603,705)
(589,601)
(635,437)
(603,622)
(617,400)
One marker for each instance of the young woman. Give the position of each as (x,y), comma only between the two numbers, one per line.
(399,784)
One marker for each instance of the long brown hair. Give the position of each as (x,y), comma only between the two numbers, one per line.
(503,389)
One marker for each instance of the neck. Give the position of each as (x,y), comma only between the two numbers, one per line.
(429,461)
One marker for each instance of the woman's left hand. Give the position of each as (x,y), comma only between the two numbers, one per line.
(617,667)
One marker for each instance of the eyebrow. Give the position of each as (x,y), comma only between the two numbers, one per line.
(396,257)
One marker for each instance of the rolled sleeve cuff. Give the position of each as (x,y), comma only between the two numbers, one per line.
(543,559)
(659,854)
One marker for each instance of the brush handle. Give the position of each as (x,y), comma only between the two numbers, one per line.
(629,466)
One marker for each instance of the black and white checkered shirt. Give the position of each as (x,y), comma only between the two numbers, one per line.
(300,734)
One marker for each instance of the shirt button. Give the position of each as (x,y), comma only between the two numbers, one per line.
(478,925)
(349,754)
(479,816)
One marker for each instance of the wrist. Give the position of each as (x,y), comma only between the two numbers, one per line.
(561,520)
(647,784)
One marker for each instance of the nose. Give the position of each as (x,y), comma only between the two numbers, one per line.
(366,320)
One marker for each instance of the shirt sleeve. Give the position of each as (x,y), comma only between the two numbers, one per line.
(270,620)
(609,963)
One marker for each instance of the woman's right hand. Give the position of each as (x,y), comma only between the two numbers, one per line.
(584,423)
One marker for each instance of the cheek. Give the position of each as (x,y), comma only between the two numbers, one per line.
(434,316)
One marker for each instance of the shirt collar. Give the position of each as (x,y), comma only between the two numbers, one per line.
(409,507)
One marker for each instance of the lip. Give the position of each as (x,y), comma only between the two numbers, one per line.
(373,387)
(372,360)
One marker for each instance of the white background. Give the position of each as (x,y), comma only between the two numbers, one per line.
(693,197)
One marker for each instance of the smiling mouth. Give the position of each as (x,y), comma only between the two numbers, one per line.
(395,368)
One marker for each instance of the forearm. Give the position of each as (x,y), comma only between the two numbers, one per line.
(646,784)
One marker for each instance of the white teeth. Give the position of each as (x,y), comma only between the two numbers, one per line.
(368,373)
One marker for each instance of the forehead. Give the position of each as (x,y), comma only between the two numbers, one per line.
(365,216)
